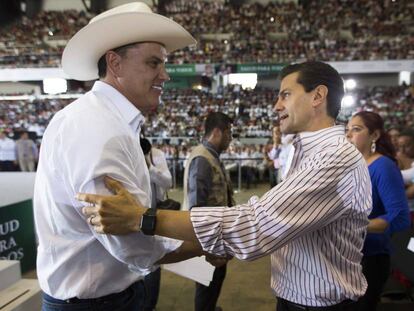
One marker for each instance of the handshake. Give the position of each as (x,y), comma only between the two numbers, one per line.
(217,261)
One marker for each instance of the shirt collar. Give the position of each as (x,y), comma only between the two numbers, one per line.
(309,140)
(121,104)
(211,148)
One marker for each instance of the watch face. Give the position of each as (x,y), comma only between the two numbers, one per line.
(148,221)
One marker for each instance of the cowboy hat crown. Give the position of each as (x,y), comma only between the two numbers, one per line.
(124,24)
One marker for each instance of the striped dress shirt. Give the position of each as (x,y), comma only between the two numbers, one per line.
(313,223)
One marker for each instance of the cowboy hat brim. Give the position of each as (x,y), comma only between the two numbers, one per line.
(81,54)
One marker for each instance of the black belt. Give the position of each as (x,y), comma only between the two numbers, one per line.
(336,307)
(101,299)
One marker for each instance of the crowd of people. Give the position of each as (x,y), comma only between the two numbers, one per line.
(19,155)
(275,32)
(327,225)
(181,111)
(393,104)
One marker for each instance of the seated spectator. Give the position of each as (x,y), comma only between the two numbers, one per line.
(405,154)
(254,32)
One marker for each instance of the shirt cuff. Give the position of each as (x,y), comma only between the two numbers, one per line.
(162,246)
(208,227)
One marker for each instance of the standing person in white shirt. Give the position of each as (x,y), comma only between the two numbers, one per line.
(126,48)
(26,153)
(161,181)
(313,223)
(7,153)
(285,155)
(273,155)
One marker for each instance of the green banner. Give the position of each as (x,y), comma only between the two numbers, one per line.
(181,70)
(260,68)
(17,234)
(178,83)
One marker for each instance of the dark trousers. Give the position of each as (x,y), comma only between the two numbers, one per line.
(152,287)
(206,296)
(130,299)
(273,176)
(284,305)
(248,175)
(376,270)
(7,166)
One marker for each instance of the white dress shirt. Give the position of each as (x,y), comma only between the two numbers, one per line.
(313,223)
(408,175)
(7,149)
(96,135)
(160,176)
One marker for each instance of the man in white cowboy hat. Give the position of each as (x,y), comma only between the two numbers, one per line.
(126,48)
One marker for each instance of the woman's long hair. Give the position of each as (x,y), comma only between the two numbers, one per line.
(373,122)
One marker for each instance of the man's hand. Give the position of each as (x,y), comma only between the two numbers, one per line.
(217,261)
(116,214)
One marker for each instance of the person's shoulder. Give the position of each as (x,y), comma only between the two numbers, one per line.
(200,162)
(157,152)
(385,164)
(90,114)
(339,148)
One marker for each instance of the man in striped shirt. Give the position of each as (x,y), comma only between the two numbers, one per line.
(313,224)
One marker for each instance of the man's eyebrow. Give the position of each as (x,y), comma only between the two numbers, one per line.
(281,92)
(156,58)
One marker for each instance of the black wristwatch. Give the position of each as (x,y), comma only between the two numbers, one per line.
(148,221)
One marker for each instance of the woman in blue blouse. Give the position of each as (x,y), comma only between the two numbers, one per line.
(389,203)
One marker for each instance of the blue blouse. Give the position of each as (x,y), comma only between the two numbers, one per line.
(389,202)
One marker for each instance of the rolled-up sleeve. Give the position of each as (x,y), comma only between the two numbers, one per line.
(309,199)
(113,156)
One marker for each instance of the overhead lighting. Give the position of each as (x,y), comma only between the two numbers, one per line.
(350,84)
(197,87)
(246,80)
(348,101)
(55,85)
(404,77)
(272,19)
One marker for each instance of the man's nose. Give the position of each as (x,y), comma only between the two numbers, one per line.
(277,106)
(164,74)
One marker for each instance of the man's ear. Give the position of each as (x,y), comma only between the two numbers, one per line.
(320,95)
(113,63)
(217,132)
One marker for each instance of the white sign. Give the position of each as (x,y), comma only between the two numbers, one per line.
(410,246)
(196,269)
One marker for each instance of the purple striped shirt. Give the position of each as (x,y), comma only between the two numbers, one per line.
(313,223)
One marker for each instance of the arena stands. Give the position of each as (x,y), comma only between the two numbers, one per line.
(276,32)
(182,110)
(394,104)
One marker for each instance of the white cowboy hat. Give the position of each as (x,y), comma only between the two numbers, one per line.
(124,24)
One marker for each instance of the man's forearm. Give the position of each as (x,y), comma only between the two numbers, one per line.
(186,251)
(176,225)
(377,225)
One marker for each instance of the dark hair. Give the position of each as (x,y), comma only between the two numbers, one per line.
(313,74)
(408,133)
(121,51)
(216,120)
(373,122)
(145,145)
